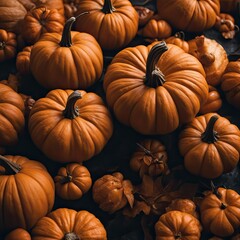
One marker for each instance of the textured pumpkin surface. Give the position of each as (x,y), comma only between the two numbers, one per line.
(217,154)
(195,16)
(63,221)
(63,139)
(177,225)
(114,22)
(18,234)
(179,40)
(25,196)
(23,60)
(162,108)
(220,214)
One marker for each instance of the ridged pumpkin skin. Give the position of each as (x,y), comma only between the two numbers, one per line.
(18,234)
(155,103)
(72,60)
(23,60)
(220,212)
(193,16)
(63,222)
(179,40)
(26,194)
(230,83)
(210,145)
(177,225)
(114,22)
(70,129)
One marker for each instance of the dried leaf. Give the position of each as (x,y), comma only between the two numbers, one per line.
(128,192)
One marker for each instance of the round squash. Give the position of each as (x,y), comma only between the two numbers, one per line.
(179,40)
(23,60)
(18,234)
(75,123)
(155,88)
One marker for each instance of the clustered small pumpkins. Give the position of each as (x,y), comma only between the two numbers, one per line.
(169,85)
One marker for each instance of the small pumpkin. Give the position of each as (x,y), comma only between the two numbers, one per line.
(76,123)
(177,225)
(112,192)
(230,83)
(18,234)
(210,145)
(149,158)
(178,39)
(191,16)
(219,211)
(65,224)
(72,60)
(115,22)
(161,83)
(214,101)
(72,181)
(23,60)
(41,20)
(8,44)
(27,192)
(212,56)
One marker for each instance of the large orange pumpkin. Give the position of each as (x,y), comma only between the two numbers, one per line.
(18,234)
(26,192)
(155,88)
(70,126)
(194,16)
(72,60)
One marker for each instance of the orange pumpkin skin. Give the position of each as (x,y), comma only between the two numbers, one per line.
(58,119)
(132,90)
(24,200)
(214,101)
(177,225)
(230,83)
(210,145)
(150,158)
(115,22)
(23,60)
(193,16)
(178,39)
(72,60)
(8,44)
(41,20)
(63,223)
(72,181)
(18,234)
(220,212)
(11,116)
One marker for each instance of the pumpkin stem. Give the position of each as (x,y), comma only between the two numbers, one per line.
(210,136)
(11,167)
(66,179)
(2,45)
(108,7)
(66,40)
(71,111)
(180,35)
(215,190)
(154,76)
(71,236)
(178,235)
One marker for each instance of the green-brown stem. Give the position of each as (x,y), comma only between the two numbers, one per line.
(108,7)
(154,76)
(178,235)
(71,111)
(71,236)
(218,195)
(180,35)
(2,45)
(66,179)
(210,136)
(11,167)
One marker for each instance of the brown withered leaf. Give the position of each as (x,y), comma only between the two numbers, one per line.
(144,14)
(128,192)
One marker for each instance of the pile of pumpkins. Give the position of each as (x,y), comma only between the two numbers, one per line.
(165,85)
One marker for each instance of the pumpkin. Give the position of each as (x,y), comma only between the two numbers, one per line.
(112,192)
(18,234)
(191,16)
(67,224)
(72,181)
(210,145)
(220,211)
(149,158)
(72,60)
(41,20)
(230,83)
(76,123)
(212,56)
(11,116)
(27,192)
(156,30)
(115,22)
(214,101)
(177,225)
(23,60)
(229,6)
(161,83)
(179,40)
(8,44)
